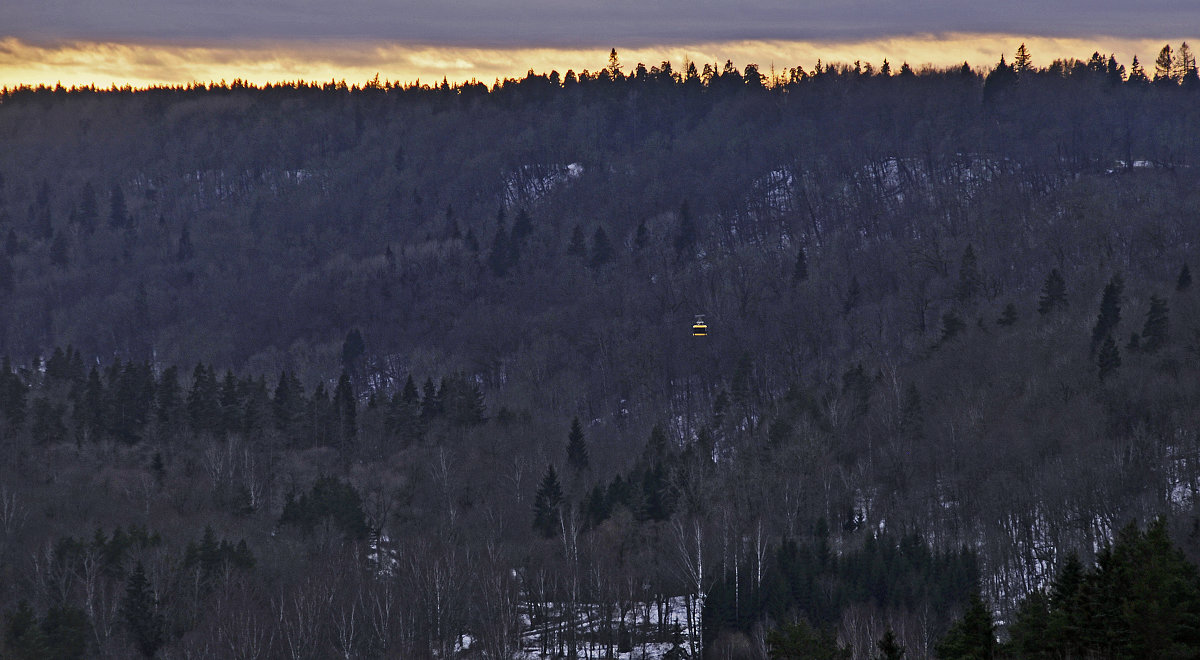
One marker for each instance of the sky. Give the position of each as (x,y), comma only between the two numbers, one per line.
(142,42)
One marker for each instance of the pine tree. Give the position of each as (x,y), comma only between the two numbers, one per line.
(346,408)
(1109,358)
(118,216)
(89,211)
(800,641)
(1022,61)
(1184,281)
(577,453)
(60,250)
(800,270)
(889,647)
(1155,332)
(184,249)
(685,236)
(500,256)
(973,637)
(139,609)
(522,226)
(8,278)
(602,249)
(23,636)
(1164,66)
(1008,317)
(1137,74)
(969,279)
(1110,311)
(952,325)
(353,348)
(853,294)
(547,504)
(1054,293)
(578,245)
(912,419)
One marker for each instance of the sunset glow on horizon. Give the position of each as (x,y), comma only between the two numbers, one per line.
(107,63)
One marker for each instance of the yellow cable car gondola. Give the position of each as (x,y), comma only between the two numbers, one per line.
(699,328)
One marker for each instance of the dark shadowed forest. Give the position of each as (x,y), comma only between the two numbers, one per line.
(407,371)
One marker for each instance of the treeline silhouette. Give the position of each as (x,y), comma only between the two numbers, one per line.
(420,358)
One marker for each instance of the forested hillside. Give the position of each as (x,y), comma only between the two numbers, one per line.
(408,371)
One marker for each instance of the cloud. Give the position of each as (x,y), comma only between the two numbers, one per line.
(580,24)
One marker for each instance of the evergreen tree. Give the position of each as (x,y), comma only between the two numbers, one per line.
(7,274)
(500,256)
(184,249)
(1109,358)
(353,348)
(969,278)
(685,236)
(522,226)
(912,418)
(1022,61)
(799,641)
(889,647)
(23,637)
(1184,281)
(973,637)
(1110,311)
(1156,331)
(1008,317)
(578,245)
(1054,293)
(346,408)
(853,294)
(547,504)
(602,249)
(60,250)
(139,609)
(800,270)
(952,325)
(1164,66)
(577,453)
(641,237)
(204,401)
(431,401)
(118,215)
(89,211)
(1137,75)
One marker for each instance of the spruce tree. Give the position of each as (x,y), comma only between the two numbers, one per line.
(889,647)
(1184,281)
(1008,317)
(578,245)
(685,236)
(952,325)
(1022,61)
(1054,293)
(577,453)
(912,419)
(1156,331)
(1110,311)
(1109,358)
(973,637)
(346,408)
(139,609)
(547,504)
(602,249)
(800,270)
(969,279)
(118,215)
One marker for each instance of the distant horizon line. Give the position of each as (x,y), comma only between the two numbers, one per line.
(105,65)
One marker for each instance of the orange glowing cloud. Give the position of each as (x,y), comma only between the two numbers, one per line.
(139,64)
